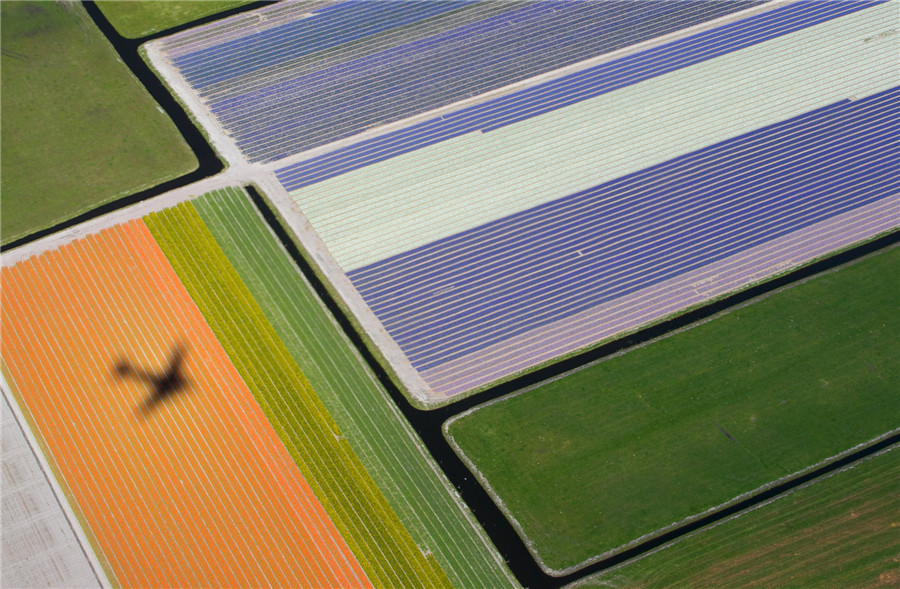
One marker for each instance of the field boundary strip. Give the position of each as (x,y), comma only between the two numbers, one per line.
(359,510)
(390,450)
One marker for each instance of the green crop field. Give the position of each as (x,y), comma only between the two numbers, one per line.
(372,530)
(78,129)
(620,449)
(838,532)
(379,435)
(137,19)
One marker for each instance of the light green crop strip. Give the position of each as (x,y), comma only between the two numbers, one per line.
(410,200)
(378,433)
(360,512)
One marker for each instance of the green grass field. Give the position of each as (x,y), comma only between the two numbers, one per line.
(378,434)
(360,512)
(838,532)
(78,129)
(620,449)
(136,19)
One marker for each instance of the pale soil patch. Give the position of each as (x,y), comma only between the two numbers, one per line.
(42,544)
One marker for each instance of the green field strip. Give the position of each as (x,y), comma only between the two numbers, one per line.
(840,531)
(380,436)
(362,515)
(137,19)
(636,443)
(407,201)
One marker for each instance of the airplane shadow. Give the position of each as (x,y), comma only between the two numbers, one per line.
(163,386)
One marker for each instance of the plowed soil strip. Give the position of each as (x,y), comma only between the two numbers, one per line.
(198,490)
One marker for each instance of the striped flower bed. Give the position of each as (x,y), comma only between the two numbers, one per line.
(507,234)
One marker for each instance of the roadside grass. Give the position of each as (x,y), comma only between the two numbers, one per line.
(385,443)
(840,531)
(372,530)
(78,129)
(617,450)
(138,19)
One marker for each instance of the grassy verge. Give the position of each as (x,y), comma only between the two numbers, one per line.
(323,276)
(78,129)
(359,510)
(837,532)
(380,436)
(137,19)
(617,450)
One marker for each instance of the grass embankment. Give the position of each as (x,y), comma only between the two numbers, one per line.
(360,512)
(620,449)
(139,19)
(379,435)
(78,129)
(838,532)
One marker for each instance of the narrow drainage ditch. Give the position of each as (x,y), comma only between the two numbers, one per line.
(428,423)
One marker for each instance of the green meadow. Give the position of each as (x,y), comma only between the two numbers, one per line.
(134,19)
(600,457)
(360,512)
(385,443)
(79,130)
(840,531)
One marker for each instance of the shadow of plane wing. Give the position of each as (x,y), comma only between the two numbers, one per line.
(163,385)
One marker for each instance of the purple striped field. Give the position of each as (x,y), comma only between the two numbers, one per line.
(487,303)
(661,300)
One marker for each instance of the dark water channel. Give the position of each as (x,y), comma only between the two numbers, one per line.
(428,423)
